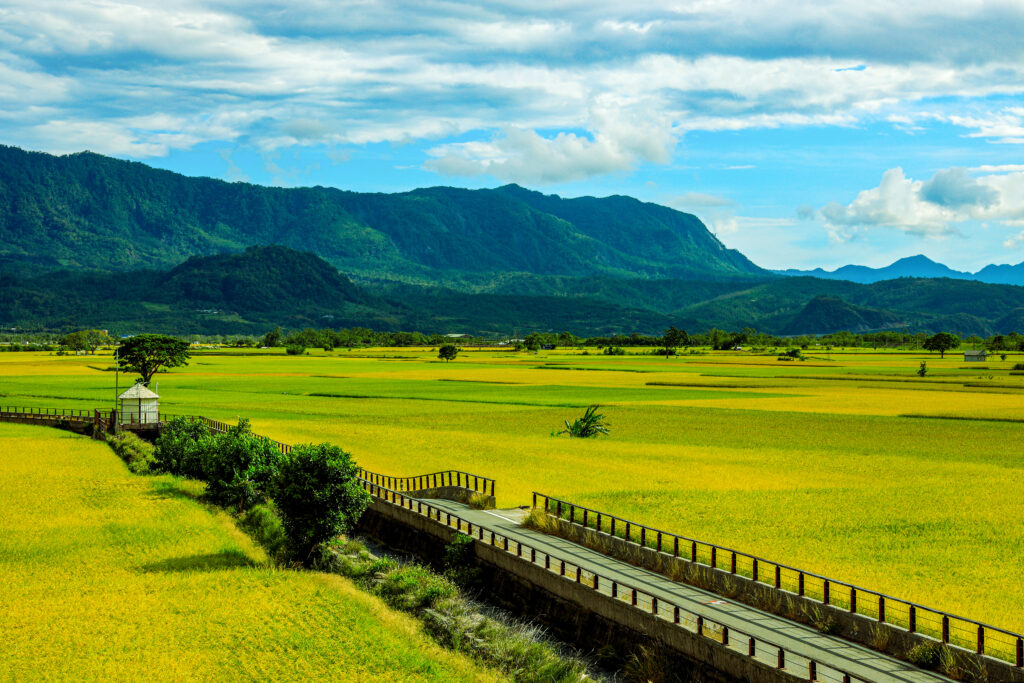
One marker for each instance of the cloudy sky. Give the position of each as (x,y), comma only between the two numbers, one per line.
(803,133)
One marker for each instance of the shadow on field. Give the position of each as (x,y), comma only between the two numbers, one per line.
(225,559)
(178,488)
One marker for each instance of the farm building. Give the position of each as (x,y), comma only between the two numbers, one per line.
(139,405)
(974,355)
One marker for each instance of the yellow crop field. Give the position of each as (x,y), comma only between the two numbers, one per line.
(109,576)
(818,463)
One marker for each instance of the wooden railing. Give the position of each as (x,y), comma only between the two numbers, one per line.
(759,649)
(433,480)
(49,414)
(886,609)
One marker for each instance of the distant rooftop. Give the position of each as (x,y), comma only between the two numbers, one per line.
(138,391)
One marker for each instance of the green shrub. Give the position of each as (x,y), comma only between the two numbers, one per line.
(239,467)
(1018,366)
(182,447)
(318,495)
(925,655)
(614,351)
(135,452)
(295,349)
(590,424)
(413,587)
(264,525)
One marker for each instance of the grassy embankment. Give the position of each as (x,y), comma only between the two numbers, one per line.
(805,462)
(111,576)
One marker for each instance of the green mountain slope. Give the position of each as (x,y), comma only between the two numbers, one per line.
(86,211)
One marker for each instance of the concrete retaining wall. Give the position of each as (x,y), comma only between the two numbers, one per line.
(610,629)
(855,627)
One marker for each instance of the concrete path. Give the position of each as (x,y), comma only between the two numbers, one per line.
(829,652)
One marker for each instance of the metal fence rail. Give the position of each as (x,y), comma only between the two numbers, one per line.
(759,649)
(969,634)
(459,478)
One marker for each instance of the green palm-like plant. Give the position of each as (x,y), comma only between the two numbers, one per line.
(591,424)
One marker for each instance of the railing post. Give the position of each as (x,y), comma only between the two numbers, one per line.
(751,647)
(627,532)
(912,618)
(693,551)
(700,626)
(981,639)
(596,581)
(659,541)
(732,568)
(643,536)
(534,500)
(1020,652)
(675,547)
(714,557)
(945,629)
(824,592)
(615,590)
(782,659)
(812,671)
(753,570)
(675,615)
(800,584)
(725,635)
(654,605)
(853,600)
(585,518)
(881,609)
(633,598)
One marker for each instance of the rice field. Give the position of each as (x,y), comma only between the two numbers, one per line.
(811,463)
(109,576)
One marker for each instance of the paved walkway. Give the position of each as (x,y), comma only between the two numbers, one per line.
(840,655)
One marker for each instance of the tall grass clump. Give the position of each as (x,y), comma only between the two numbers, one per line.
(516,648)
(135,452)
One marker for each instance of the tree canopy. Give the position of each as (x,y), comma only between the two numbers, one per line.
(941,342)
(146,354)
(448,352)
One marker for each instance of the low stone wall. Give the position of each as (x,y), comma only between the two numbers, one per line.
(608,628)
(76,426)
(459,494)
(858,628)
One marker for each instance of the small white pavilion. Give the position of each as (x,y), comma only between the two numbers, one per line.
(139,405)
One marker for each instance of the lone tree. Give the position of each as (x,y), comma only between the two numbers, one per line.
(448,352)
(147,353)
(673,339)
(941,342)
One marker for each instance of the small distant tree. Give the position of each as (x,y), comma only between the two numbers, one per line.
(448,352)
(295,349)
(85,340)
(147,353)
(673,339)
(318,495)
(532,342)
(272,338)
(182,447)
(923,370)
(941,342)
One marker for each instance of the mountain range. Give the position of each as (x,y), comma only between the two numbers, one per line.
(915,266)
(91,241)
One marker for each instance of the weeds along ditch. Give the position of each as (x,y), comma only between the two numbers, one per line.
(791,462)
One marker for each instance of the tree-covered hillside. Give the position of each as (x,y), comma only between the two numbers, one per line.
(87,211)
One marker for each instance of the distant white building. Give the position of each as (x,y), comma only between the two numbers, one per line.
(139,405)
(975,355)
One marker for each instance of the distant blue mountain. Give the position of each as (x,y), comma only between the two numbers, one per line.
(915,266)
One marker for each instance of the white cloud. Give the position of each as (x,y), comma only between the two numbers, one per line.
(1014,241)
(549,92)
(691,200)
(928,208)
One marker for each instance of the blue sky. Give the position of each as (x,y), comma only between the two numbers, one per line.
(803,133)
